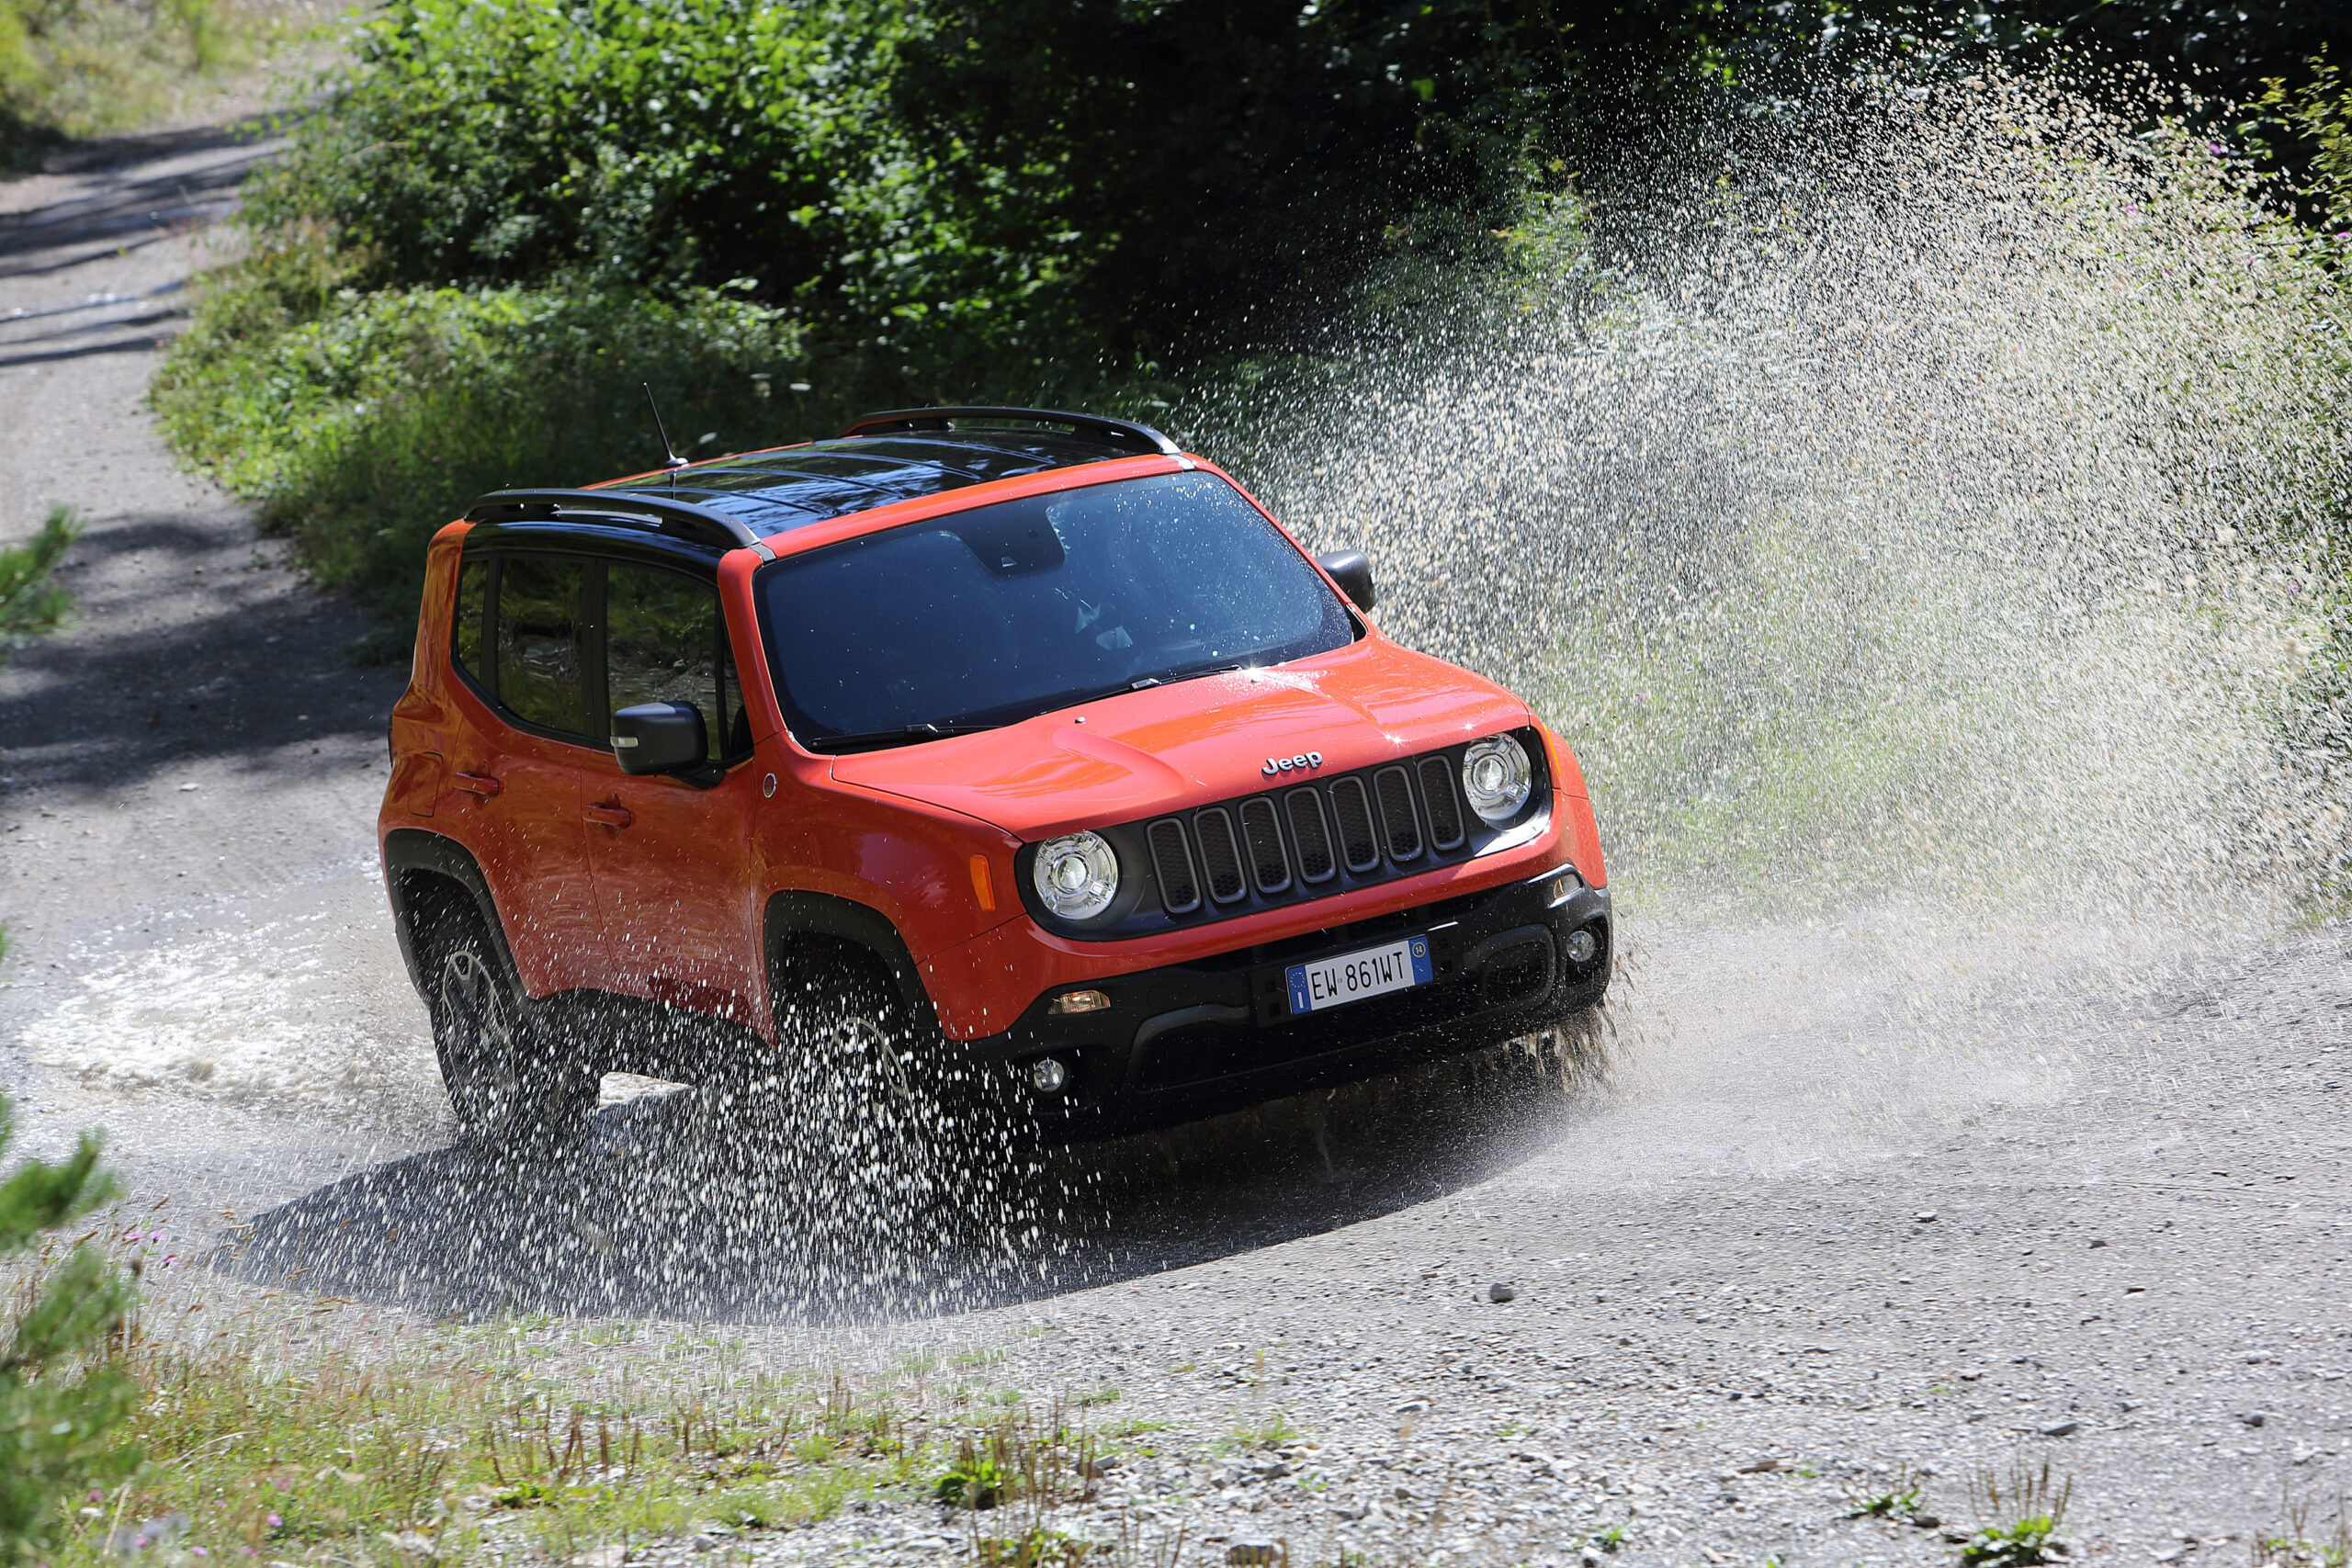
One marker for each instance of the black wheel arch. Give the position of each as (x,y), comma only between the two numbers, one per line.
(794,916)
(414,859)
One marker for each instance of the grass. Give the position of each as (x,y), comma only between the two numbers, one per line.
(1904,1498)
(317,1452)
(2021,1518)
(2297,1545)
(302,1432)
(360,423)
(1251,1433)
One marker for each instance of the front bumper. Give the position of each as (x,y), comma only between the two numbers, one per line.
(1192,1039)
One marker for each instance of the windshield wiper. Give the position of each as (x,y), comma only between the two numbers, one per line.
(905,735)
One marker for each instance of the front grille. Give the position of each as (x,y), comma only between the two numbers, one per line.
(1314,839)
(1445,810)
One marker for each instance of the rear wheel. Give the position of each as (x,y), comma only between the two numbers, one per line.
(506,1077)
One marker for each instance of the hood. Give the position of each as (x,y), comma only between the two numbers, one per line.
(1142,753)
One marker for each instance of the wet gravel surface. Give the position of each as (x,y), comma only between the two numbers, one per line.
(1853,1204)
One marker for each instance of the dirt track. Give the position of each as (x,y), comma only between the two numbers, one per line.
(2141,1203)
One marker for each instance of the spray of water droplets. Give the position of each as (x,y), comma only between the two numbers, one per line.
(1894,494)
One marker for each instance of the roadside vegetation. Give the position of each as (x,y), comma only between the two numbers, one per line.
(308,1431)
(507,217)
(65,1393)
(81,68)
(30,604)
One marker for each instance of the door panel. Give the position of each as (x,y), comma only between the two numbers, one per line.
(674,882)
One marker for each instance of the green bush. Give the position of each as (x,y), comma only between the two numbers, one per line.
(2306,131)
(364,423)
(64,1392)
(507,216)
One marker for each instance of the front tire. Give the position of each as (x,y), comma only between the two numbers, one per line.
(846,1119)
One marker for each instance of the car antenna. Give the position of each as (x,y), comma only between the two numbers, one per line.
(670,457)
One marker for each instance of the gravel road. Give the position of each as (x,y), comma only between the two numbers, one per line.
(1853,1203)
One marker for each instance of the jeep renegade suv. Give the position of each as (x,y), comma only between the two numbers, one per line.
(1023,740)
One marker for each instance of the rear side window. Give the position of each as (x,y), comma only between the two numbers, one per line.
(473,610)
(542,654)
(666,642)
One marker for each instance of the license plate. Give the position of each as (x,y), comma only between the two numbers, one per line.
(1352,977)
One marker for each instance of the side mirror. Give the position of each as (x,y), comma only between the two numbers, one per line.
(1351,570)
(660,737)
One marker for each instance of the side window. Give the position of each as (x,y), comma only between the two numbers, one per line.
(473,604)
(542,612)
(666,642)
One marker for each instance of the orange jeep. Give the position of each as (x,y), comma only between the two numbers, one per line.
(1006,746)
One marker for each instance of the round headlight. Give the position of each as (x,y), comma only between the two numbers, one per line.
(1495,776)
(1078,876)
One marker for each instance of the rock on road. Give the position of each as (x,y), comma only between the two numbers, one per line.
(1852,1203)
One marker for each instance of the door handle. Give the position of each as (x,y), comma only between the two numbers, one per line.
(482,785)
(611,816)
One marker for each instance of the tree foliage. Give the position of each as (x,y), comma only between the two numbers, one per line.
(30,603)
(62,1396)
(2310,127)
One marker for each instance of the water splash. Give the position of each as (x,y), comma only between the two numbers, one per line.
(1895,494)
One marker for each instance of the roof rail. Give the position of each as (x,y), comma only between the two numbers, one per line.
(1119,433)
(619,506)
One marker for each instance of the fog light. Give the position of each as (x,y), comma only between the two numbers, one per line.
(1047,1075)
(1078,1001)
(1582,945)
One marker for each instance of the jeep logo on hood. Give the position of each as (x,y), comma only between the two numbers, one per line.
(1304,761)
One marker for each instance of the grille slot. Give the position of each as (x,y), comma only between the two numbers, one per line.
(1262,832)
(1180,890)
(1359,845)
(1311,831)
(1220,855)
(1398,824)
(1437,797)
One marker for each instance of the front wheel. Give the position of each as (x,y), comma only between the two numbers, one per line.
(849,1120)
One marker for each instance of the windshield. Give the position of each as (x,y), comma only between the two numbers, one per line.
(987,616)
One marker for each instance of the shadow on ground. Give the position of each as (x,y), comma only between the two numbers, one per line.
(632,1220)
(181,180)
(227,664)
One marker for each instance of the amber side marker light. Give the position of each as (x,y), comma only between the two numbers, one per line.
(1078,1001)
(983,884)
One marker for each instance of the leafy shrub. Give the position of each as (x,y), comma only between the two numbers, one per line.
(363,427)
(2306,131)
(62,1395)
